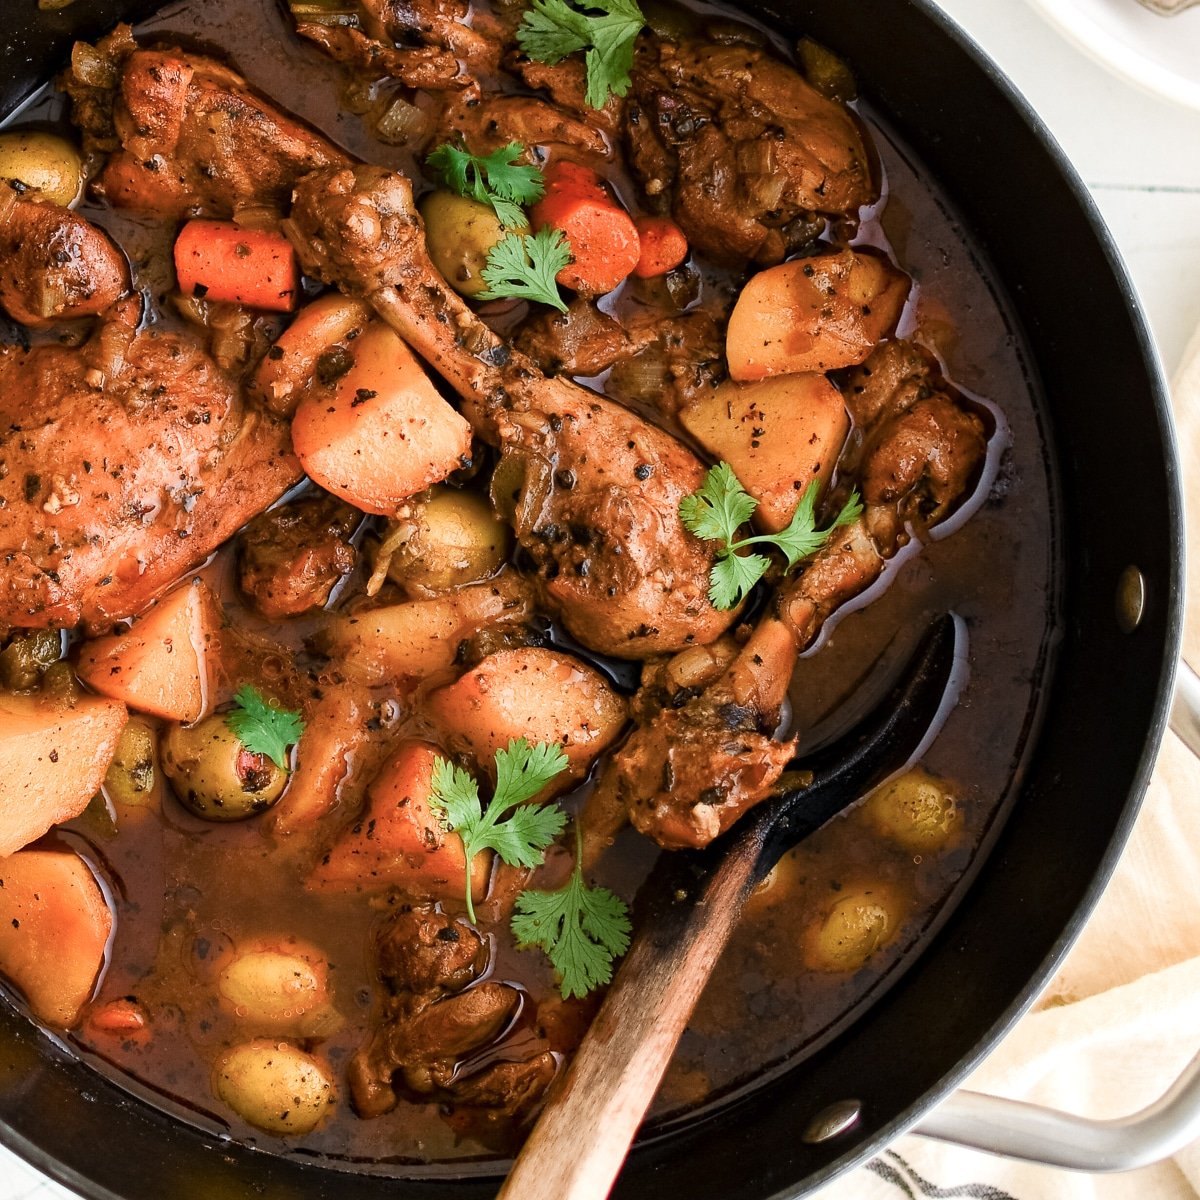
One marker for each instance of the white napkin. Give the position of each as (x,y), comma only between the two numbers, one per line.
(1122,1017)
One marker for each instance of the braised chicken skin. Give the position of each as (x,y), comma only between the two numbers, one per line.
(124,463)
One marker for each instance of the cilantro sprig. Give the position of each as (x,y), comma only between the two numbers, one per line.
(722,506)
(582,929)
(524,267)
(262,726)
(496,179)
(516,830)
(605,29)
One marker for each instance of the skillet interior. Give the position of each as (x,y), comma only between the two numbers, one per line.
(1106,413)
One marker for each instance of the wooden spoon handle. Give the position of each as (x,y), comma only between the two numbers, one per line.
(584,1133)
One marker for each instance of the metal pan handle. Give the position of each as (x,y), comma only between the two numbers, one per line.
(1044,1135)
(1056,1139)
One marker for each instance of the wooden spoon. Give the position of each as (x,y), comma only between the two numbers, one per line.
(685,915)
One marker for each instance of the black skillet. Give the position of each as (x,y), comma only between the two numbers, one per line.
(1105,413)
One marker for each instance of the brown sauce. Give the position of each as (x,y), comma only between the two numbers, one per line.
(186,892)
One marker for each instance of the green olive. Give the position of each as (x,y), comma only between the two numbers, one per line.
(59,684)
(132,775)
(456,539)
(459,232)
(280,987)
(26,656)
(915,811)
(42,161)
(857,924)
(215,776)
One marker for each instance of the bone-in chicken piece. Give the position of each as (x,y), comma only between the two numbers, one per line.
(54,265)
(698,761)
(593,490)
(190,136)
(428,67)
(421,43)
(123,464)
(472,37)
(742,147)
(485,124)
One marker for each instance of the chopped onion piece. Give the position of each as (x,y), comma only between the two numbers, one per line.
(325,12)
(91,67)
(401,122)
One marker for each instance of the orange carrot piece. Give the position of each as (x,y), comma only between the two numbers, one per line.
(663,246)
(124,1018)
(54,927)
(563,175)
(220,261)
(52,761)
(160,665)
(603,237)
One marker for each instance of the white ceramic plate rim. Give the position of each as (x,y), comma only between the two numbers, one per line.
(1073,20)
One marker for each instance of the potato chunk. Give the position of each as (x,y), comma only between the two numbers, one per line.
(778,435)
(381,432)
(160,665)
(53,758)
(399,840)
(412,641)
(540,695)
(54,927)
(813,314)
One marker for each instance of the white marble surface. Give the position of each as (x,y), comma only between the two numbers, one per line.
(1139,156)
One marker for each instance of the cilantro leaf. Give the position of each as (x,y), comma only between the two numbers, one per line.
(496,179)
(516,830)
(524,267)
(523,768)
(801,537)
(732,576)
(721,506)
(582,929)
(456,793)
(552,29)
(262,726)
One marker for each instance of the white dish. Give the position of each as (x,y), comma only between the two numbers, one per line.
(1159,54)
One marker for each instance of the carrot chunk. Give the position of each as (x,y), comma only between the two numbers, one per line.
(220,261)
(54,926)
(663,246)
(604,240)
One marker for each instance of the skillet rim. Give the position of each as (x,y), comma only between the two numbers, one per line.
(652,1162)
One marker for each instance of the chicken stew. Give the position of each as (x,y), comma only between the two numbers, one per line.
(289,602)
